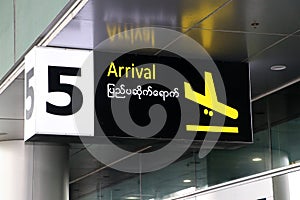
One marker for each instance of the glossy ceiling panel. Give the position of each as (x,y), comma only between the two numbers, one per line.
(99,19)
(77,34)
(167,13)
(284,53)
(231,37)
(231,46)
(273,16)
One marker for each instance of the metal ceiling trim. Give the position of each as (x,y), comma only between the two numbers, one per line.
(241,32)
(275,90)
(209,15)
(270,46)
(61,20)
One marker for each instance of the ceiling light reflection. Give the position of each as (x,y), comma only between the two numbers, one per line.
(257,159)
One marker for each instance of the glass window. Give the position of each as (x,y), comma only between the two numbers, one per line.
(276,126)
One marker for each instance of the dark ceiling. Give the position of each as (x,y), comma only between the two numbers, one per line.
(261,32)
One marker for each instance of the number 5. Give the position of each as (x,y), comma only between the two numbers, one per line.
(29,93)
(54,85)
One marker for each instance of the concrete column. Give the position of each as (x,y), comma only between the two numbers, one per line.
(33,171)
(281,187)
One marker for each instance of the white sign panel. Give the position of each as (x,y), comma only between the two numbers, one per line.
(56,80)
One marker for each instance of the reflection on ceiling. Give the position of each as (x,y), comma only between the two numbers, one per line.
(232,30)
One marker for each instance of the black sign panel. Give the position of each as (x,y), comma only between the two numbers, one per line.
(157,94)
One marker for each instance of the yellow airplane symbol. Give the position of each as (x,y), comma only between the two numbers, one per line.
(210,100)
